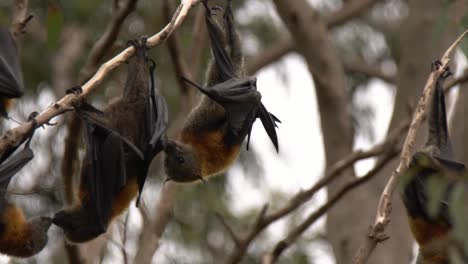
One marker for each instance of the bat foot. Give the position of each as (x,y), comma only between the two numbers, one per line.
(32,117)
(139,46)
(74,90)
(435,65)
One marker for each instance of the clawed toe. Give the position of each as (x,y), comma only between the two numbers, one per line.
(74,90)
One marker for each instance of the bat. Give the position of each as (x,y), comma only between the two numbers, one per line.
(433,162)
(11,79)
(121,142)
(19,237)
(215,129)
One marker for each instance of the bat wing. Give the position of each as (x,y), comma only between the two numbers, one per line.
(218,42)
(11,79)
(12,165)
(416,192)
(156,116)
(105,173)
(242,102)
(95,117)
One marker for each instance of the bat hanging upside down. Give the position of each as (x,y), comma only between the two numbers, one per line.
(121,141)
(19,237)
(212,135)
(435,163)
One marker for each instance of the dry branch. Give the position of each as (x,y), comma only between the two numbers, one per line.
(263,220)
(20,17)
(377,230)
(350,10)
(369,70)
(14,136)
(107,39)
(282,245)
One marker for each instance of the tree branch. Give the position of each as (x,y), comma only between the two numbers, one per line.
(282,245)
(349,11)
(376,232)
(107,39)
(300,198)
(20,17)
(16,135)
(369,70)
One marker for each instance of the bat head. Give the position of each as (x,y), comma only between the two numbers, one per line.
(181,163)
(38,238)
(77,225)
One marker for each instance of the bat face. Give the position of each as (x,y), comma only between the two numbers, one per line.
(181,163)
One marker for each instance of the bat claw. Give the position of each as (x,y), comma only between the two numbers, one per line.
(74,90)
(435,65)
(143,40)
(132,43)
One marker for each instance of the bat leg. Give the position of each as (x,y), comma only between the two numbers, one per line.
(435,65)
(74,90)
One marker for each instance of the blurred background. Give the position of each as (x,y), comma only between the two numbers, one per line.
(339,74)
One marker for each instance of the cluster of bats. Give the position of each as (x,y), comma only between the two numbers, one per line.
(123,138)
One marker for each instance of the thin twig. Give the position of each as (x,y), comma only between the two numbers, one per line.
(349,11)
(14,136)
(228,228)
(300,198)
(107,39)
(282,245)
(384,207)
(20,17)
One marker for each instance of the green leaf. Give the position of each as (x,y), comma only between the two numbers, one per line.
(54,24)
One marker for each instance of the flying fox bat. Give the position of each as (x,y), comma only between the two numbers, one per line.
(121,142)
(19,237)
(215,129)
(434,161)
(11,79)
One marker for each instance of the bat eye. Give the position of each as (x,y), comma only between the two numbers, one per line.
(181,160)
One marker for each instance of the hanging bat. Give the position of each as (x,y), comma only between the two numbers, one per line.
(434,161)
(11,79)
(19,237)
(215,129)
(121,142)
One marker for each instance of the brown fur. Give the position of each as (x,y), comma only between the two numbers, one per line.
(17,233)
(214,154)
(431,239)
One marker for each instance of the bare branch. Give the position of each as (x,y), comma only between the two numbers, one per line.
(107,39)
(369,70)
(300,198)
(199,41)
(349,11)
(230,231)
(14,136)
(175,50)
(149,242)
(297,231)
(384,208)
(20,17)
